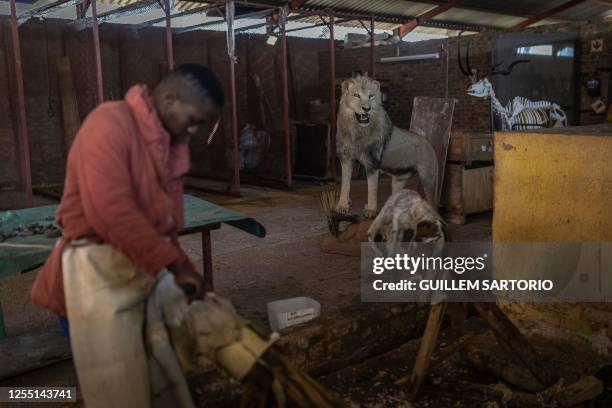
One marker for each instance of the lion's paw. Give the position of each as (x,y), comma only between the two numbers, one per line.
(369,213)
(341,209)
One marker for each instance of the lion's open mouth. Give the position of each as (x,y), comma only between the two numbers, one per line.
(363,118)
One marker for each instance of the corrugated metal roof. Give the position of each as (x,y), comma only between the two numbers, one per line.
(398,8)
(178,5)
(488,13)
(471,14)
(586,11)
(478,18)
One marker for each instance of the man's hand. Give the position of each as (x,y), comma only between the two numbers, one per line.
(188,279)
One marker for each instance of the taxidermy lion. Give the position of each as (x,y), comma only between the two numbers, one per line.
(365,133)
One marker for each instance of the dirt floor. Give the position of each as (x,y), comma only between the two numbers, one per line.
(252,272)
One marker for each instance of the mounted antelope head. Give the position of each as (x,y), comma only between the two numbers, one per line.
(480,86)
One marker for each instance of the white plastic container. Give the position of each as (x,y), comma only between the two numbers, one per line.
(289,312)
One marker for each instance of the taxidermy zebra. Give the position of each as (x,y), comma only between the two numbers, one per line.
(520,113)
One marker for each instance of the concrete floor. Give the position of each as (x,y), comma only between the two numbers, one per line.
(249,271)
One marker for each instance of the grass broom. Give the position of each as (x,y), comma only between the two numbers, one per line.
(329,198)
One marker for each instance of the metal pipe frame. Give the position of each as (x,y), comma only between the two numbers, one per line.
(82,8)
(260,13)
(332,96)
(372,49)
(285,79)
(235,186)
(96,44)
(267,23)
(169,48)
(23,128)
(324,24)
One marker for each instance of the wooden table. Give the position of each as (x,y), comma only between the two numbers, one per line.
(25,253)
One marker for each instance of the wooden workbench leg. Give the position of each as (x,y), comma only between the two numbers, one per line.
(207,261)
(427,346)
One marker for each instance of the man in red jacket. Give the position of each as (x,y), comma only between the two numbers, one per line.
(121,212)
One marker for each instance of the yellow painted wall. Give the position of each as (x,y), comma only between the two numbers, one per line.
(552,187)
(555,188)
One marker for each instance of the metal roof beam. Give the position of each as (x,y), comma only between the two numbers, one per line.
(412,24)
(454,25)
(323,24)
(126,11)
(46,9)
(547,13)
(256,14)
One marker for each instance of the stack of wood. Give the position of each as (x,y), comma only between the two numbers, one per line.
(520,388)
(525,377)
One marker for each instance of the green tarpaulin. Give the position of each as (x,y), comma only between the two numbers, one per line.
(23,253)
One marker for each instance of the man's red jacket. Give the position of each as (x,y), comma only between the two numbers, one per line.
(123,187)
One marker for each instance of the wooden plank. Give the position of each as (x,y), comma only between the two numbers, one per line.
(369,329)
(470,147)
(478,190)
(433,119)
(31,351)
(500,366)
(426,349)
(466,191)
(70,105)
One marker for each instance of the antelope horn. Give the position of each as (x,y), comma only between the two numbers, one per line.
(495,66)
(467,74)
(467,59)
(508,70)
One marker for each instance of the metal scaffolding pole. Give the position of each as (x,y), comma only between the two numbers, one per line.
(372,49)
(332,96)
(96,41)
(23,129)
(169,49)
(229,10)
(285,78)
